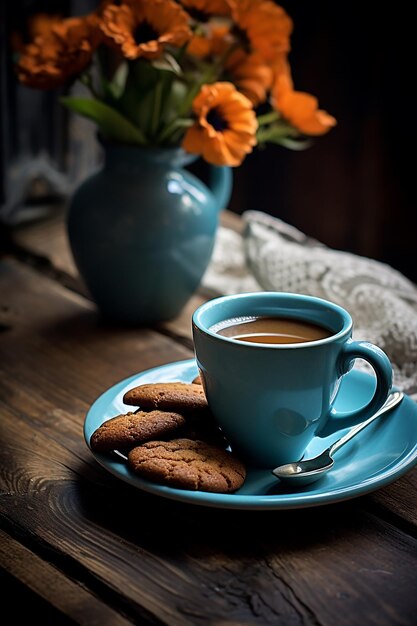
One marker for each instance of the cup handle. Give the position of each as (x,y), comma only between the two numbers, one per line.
(379,361)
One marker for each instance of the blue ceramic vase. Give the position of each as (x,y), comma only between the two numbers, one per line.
(142,231)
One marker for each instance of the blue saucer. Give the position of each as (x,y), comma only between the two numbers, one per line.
(376,457)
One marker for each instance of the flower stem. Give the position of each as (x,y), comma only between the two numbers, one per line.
(180,54)
(169,130)
(156,109)
(268,118)
(280,129)
(209,75)
(206,77)
(101,72)
(87,80)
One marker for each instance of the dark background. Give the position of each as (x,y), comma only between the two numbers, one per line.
(353,189)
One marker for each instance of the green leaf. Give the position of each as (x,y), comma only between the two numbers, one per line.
(173,98)
(292,144)
(282,133)
(111,123)
(136,100)
(268,118)
(142,75)
(167,63)
(177,124)
(118,83)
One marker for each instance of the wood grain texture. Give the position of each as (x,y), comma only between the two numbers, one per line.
(48,239)
(180,327)
(399,499)
(168,560)
(67,596)
(154,560)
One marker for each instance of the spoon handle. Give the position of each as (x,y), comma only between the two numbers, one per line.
(393,399)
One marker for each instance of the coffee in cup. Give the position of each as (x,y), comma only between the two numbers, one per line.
(271,330)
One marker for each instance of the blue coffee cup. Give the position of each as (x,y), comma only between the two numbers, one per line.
(271,400)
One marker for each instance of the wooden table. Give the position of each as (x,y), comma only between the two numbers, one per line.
(79,546)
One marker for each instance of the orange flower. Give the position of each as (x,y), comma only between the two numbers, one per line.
(206,7)
(61,53)
(300,109)
(225,130)
(264,26)
(41,25)
(212,40)
(280,66)
(250,74)
(143,29)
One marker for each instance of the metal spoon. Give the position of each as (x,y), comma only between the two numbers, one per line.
(310,470)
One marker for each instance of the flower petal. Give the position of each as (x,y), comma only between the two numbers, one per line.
(300,109)
(230,145)
(266,26)
(165,20)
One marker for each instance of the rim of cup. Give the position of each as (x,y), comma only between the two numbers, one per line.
(319,303)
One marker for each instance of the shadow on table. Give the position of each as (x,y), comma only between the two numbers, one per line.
(167,526)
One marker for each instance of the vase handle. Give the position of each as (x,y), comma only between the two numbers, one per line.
(220,183)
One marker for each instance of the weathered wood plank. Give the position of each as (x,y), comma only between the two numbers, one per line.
(180,327)
(48,499)
(399,499)
(179,564)
(47,581)
(47,238)
(57,333)
(168,559)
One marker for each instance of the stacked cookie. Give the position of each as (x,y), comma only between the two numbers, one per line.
(172,439)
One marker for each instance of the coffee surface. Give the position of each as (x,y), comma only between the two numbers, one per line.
(271,330)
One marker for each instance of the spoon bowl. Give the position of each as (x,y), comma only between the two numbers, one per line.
(308,471)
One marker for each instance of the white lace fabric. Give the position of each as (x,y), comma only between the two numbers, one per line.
(273,256)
